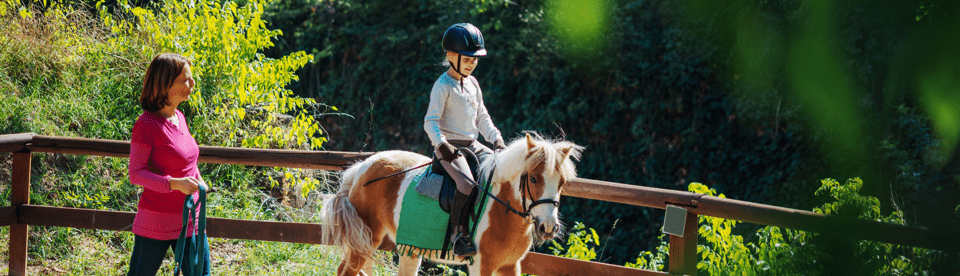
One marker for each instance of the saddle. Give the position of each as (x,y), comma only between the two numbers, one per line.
(437,184)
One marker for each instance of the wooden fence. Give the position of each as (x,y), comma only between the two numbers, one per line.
(683,257)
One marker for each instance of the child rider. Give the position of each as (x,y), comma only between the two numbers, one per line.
(455,118)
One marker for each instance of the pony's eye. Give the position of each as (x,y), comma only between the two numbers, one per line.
(533,179)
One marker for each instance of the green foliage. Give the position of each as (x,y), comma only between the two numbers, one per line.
(797,252)
(240,99)
(578,244)
(445,270)
(877,258)
(848,197)
(580,25)
(777,251)
(223,40)
(50,65)
(653,260)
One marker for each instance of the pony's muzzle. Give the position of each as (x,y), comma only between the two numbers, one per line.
(545,230)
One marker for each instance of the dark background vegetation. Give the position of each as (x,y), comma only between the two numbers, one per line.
(675,92)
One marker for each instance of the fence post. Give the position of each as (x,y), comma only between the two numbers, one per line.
(20,195)
(683,250)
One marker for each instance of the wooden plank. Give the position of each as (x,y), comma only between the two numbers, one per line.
(857,229)
(15,142)
(534,263)
(19,196)
(542,264)
(216,227)
(683,250)
(8,216)
(323,160)
(583,188)
(264,230)
(76,218)
(628,194)
(81,146)
(764,214)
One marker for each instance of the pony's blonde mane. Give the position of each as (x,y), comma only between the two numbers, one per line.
(514,160)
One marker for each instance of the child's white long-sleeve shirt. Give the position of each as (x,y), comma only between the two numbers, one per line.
(455,114)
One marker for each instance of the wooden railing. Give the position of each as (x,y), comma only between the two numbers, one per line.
(683,257)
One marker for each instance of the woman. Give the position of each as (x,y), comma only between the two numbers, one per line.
(163,159)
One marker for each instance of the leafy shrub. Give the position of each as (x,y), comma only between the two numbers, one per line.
(791,252)
(724,253)
(240,99)
(876,258)
(776,252)
(235,80)
(653,260)
(578,244)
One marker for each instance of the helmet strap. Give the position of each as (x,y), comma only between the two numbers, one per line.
(459,57)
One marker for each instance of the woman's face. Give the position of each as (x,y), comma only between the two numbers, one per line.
(180,90)
(467,64)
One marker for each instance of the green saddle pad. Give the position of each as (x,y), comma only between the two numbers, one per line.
(422,223)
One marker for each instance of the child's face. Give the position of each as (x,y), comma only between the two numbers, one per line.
(467,64)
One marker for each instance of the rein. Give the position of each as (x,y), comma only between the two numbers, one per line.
(524,193)
(398,173)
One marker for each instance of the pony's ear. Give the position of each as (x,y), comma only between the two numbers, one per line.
(530,143)
(569,150)
(566,152)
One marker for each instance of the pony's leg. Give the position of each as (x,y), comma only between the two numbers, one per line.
(352,264)
(409,266)
(474,270)
(368,269)
(508,270)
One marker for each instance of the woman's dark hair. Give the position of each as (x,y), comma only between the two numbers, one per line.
(163,70)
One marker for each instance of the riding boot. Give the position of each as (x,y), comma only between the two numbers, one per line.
(459,216)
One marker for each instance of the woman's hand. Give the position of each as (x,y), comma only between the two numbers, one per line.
(186,185)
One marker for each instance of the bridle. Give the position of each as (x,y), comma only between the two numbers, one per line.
(524,194)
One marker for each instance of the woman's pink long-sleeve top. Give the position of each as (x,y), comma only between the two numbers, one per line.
(160,150)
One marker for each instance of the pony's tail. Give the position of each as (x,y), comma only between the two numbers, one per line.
(341,226)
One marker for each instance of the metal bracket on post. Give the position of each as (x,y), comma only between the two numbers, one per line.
(682,227)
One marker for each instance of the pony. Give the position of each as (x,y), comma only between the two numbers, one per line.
(528,175)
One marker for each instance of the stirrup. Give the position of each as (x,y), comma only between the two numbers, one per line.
(463,246)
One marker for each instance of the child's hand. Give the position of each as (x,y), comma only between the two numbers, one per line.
(447,152)
(500,145)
